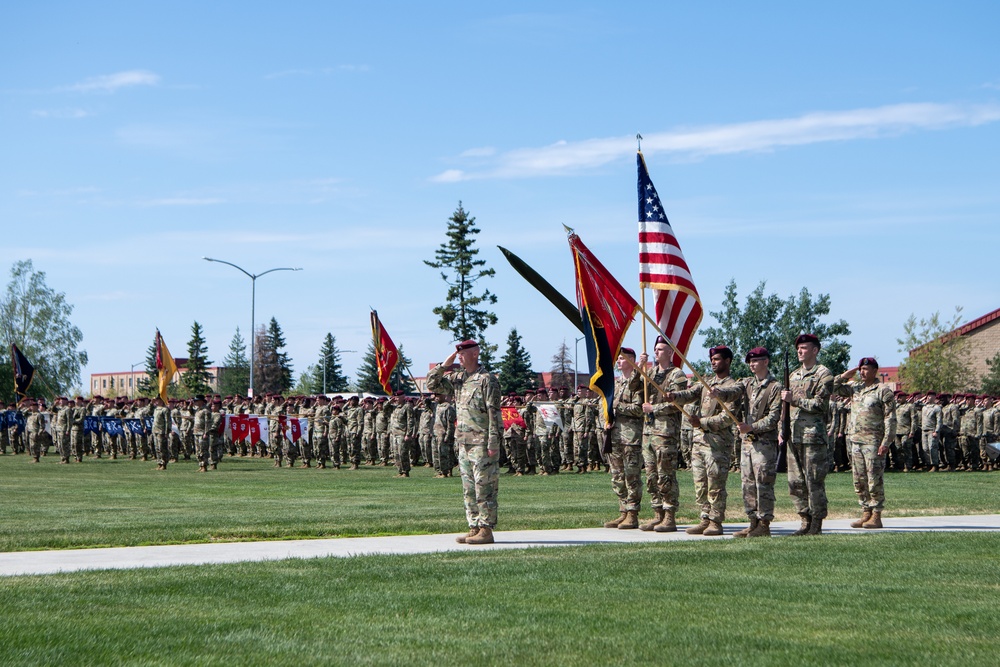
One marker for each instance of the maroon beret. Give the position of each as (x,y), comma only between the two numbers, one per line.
(628,351)
(465,345)
(807,338)
(720,349)
(868,361)
(758,353)
(661,339)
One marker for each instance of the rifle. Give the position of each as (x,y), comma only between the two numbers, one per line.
(785,431)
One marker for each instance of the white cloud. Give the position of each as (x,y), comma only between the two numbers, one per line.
(110,83)
(60,113)
(564,157)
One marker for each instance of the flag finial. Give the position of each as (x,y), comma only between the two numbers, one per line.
(638,141)
(569,230)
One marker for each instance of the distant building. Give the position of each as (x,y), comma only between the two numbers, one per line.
(125,383)
(982,340)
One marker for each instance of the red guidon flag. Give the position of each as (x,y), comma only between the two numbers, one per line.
(386,354)
(662,267)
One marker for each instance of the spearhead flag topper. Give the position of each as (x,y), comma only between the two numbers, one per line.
(24,372)
(607,310)
(662,267)
(386,354)
(165,364)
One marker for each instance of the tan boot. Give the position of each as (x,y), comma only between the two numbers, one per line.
(484,536)
(746,531)
(763,529)
(615,522)
(669,523)
(657,518)
(816,527)
(804,528)
(714,528)
(630,521)
(699,528)
(875,521)
(866,514)
(473,531)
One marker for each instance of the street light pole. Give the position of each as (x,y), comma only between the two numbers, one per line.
(132,378)
(576,361)
(253,305)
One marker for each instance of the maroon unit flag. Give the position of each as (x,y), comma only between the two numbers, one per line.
(386,354)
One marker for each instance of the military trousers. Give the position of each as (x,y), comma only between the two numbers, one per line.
(929,449)
(399,452)
(480,470)
(566,447)
(203,448)
(626,475)
(162,442)
(659,456)
(902,452)
(970,450)
(758,470)
(321,447)
(687,440)
(426,443)
(868,469)
(441,453)
(76,442)
(807,469)
(710,470)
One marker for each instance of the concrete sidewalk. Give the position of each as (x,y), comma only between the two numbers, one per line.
(50,562)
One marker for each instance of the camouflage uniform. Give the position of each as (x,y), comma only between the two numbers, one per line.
(218,442)
(425,432)
(687,434)
(902,448)
(807,451)
(565,407)
(951,420)
(338,437)
(62,431)
(34,430)
(583,431)
(969,426)
(660,440)
(478,435)
(400,427)
(369,438)
(759,453)
(872,425)
(930,418)
(161,434)
(710,450)
(321,433)
(515,440)
(444,437)
(354,416)
(201,424)
(626,443)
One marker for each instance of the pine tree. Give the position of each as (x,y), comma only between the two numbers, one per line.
(562,367)
(236,377)
(515,372)
(267,372)
(465,314)
(195,379)
(329,360)
(276,339)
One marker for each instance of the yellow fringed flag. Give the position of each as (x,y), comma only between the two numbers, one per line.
(165,364)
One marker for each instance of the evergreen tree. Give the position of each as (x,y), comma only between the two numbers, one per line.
(236,377)
(367,381)
(196,378)
(267,372)
(487,353)
(938,361)
(465,314)
(515,372)
(334,379)
(562,368)
(276,341)
(770,321)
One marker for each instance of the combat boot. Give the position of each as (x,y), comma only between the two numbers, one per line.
(763,529)
(714,528)
(699,528)
(630,521)
(615,522)
(815,527)
(746,531)
(865,516)
(473,531)
(669,523)
(875,521)
(484,536)
(804,528)
(657,518)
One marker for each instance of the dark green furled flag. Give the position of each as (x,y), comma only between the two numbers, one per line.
(24,372)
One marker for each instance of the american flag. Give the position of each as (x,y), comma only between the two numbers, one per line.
(662,267)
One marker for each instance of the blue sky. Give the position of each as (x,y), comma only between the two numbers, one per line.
(850,148)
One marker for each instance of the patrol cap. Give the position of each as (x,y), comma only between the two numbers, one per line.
(807,338)
(868,361)
(758,353)
(720,349)
(465,345)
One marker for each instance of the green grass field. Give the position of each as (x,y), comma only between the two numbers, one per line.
(893,599)
(125,503)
